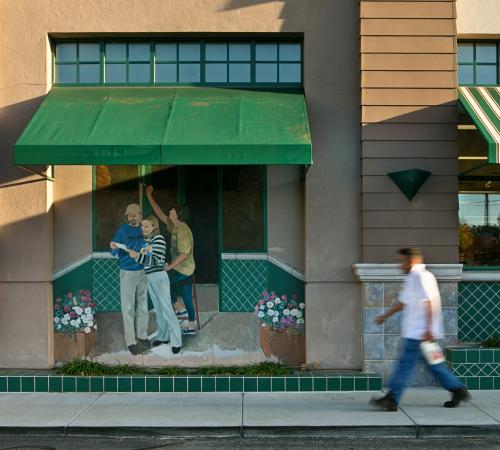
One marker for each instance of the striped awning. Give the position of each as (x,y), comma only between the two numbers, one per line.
(483,105)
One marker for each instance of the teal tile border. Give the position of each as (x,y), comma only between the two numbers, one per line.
(315,381)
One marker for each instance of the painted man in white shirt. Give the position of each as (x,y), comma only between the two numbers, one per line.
(420,302)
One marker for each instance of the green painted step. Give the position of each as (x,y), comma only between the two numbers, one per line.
(319,381)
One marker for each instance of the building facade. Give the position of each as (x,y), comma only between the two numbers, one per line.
(390,145)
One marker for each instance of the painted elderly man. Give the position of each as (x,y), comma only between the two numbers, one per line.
(133,283)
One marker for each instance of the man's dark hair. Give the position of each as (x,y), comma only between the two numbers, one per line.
(411,252)
(181,210)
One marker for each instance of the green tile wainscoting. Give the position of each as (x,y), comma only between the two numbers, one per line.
(478,310)
(49,381)
(477,368)
(243,277)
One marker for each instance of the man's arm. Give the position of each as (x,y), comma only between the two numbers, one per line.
(379,320)
(427,336)
(156,208)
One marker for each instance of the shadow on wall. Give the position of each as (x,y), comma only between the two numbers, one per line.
(13,120)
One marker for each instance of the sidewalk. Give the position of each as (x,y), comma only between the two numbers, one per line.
(341,414)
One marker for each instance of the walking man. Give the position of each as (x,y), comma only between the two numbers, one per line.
(420,302)
(133,282)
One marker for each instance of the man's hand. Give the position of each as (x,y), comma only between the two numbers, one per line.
(113,245)
(149,190)
(379,320)
(427,336)
(167,267)
(133,254)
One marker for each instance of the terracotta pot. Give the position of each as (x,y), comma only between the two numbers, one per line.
(290,349)
(69,346)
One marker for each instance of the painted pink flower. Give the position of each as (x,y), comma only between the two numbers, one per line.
(57,306)
(72,314)
(284,298)
(69,295)
(67,308)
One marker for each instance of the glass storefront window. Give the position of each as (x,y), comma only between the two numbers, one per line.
(479,229)
(242,208)
(115,188)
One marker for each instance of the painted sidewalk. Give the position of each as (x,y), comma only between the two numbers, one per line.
(327,413)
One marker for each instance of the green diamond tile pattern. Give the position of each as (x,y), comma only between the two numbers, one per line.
(478,310)
(242,282)
(106,284)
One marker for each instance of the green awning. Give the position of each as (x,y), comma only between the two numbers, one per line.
(483,106)
(136,125)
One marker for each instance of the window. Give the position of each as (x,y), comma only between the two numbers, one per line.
(478,63)
(77,63)
(479,232)
(243,208)
(115,188)
(209,63)
(223,206)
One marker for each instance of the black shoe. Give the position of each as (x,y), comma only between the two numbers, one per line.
(176,350)
(386,402)
(134,349)
(458,395)
(143,344)
(157,343)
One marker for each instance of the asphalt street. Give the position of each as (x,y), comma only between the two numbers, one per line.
(26,442)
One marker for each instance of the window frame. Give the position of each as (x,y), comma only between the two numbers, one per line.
(253,41)
(475,64)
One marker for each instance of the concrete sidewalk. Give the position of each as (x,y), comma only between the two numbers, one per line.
(342,414)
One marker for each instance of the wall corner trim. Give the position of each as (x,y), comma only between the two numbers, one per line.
(366,272)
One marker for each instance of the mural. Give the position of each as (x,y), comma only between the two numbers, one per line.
(169,285)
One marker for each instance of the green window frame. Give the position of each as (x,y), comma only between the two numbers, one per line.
(238,62)
(472,63)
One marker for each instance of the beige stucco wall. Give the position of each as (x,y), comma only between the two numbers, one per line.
(72,214)
(285,211)
(478,18)
(331,68)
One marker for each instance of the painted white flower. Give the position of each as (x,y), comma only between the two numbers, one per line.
(261,314)
(293,312)
(72,322)
(300,321)
(64,321)
(270,304)
(275,319)
(87,330)
(78,310)
(88,310)
(262,307)
(57,319)
(302,305)
(277,301)
(78,322)
(270,313)
(59,326)
(264,325)
(90,324)
(299,314)
(95,326)
(66,316)
(286,312)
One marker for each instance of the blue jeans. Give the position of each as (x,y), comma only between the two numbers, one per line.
(182,284)
(410,355)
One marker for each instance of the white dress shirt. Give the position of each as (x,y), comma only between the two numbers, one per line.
(420,286)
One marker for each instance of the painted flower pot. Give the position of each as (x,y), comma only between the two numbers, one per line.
(290,349)
(68,346)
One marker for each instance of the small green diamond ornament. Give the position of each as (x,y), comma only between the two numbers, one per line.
(409,181)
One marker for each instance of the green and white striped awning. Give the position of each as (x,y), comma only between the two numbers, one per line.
(483,105)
